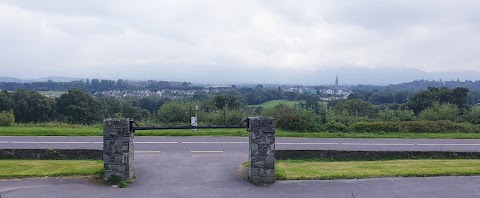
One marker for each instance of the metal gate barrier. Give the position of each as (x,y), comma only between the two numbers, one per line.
(118,147)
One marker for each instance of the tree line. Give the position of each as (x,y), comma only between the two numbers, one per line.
(231,105)
(97,85)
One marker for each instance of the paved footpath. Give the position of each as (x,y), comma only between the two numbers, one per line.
(217,175)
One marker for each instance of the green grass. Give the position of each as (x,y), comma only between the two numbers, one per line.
(52,92)
(97,130)
(273,103)
(50,168)
(323,170)
(51,131)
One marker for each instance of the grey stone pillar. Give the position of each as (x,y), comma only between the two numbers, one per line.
(262,150)
(117,149)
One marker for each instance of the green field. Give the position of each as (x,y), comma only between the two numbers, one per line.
(97,130)
(273,103)
(50,168)
(52,92)
(322,170)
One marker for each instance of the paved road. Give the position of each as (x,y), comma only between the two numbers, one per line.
(214,170)
(213,175)
(182,145)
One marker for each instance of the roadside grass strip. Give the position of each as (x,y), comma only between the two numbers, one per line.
(10,169)
(84,130)
(51,131)
(327,170)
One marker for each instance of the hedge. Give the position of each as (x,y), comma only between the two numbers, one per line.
(415,126)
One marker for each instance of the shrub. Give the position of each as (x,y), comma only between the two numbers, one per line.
(173,112)
(231,117)
(346,120)
(415,126)
(473,116)
(335,127)
(7,119)
(396,115)
(440,112)
(294,118)
(356,108)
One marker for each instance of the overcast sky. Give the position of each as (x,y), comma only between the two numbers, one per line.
(141,39)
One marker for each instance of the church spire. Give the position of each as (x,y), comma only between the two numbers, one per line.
(336,83)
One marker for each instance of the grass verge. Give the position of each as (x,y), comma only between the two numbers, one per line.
(81,130)
(51,168)
(325,170)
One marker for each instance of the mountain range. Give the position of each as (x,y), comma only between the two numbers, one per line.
(51,78)
(346,76)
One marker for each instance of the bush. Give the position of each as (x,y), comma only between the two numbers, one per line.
(336,127)
(7,119)
(440,112)
(415,126)
(396,115)
(173,112)
(346,120)
(356,108)
(294,118)
(473,116)
(231,117)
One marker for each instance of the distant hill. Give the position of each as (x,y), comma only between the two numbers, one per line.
(346,76)
(52,78)
(382,76)
(56,79)
(9,79)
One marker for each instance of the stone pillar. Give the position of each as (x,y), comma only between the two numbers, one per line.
(117,149)
(262,150)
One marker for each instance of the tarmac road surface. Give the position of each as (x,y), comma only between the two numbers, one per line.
(182,145)
(210,167)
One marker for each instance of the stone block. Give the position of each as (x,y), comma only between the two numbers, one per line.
(118,149)
(262,150)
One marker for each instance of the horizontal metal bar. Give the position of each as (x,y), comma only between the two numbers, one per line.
(189,127)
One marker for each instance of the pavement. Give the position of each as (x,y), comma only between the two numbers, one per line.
(210,167)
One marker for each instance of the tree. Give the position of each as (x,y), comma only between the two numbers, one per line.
(224,101)
(356,108)
(32,107)
(425,99)
(200,95)
(459,97)
(77,107)
(136,113)
(113,106)
(151,104)
(6,102)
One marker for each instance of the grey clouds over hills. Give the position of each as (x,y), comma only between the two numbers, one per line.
(52,78)
(347,76)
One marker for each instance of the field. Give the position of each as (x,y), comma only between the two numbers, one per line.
(273,103)
(52,92)
(324,170)
(97,130)
(50,168)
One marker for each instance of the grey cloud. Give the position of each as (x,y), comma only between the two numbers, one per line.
(142,38)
